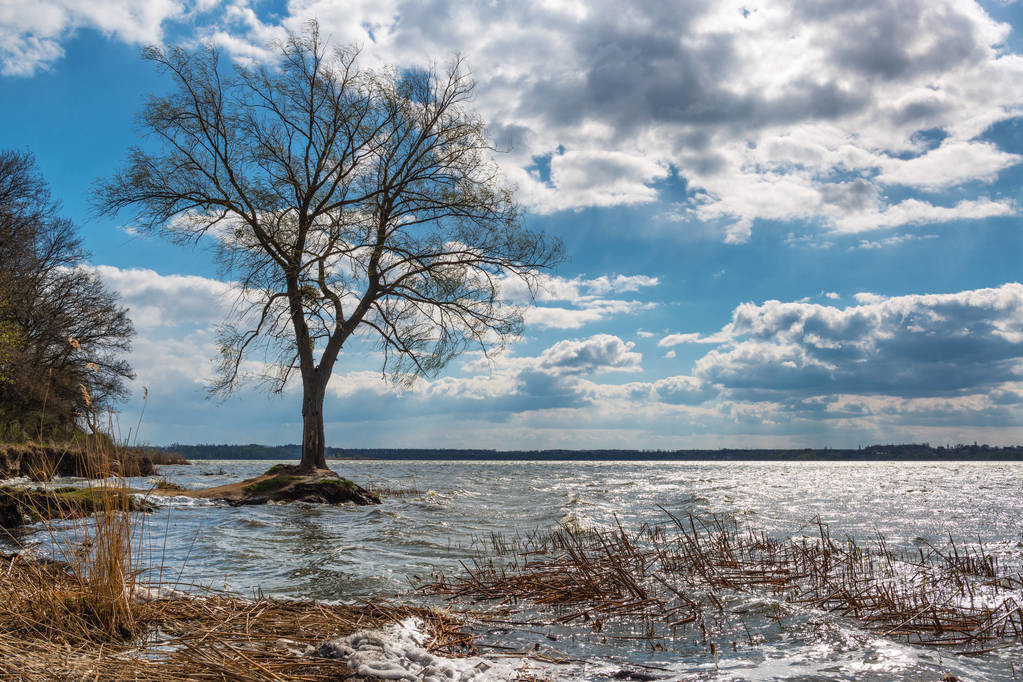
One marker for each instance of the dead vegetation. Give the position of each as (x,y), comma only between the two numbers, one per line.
(50,628)
(660,582)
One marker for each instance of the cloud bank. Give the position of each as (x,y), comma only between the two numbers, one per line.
(780,372)
(791,111)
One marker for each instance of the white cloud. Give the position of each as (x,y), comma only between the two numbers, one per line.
(917,212)
(692,337)
(548,317)
(904,346)
(792,112)
(31,33)
(868,298)
(891,241)
(604,285)
(582,179)
(584,298)
(575,290)
(953,163)
(156,300)
(552,317)
(598,353)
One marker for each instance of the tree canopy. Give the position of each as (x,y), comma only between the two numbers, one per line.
(62,334)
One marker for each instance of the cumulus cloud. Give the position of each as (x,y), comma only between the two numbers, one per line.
(31,34)
(598,353)
(764,114)
(905,346)
(585,299)
(922,366)
(156,300)
(789,112)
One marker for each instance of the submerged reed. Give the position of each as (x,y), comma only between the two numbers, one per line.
(657,581)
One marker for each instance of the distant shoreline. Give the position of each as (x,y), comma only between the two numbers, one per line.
(911,452)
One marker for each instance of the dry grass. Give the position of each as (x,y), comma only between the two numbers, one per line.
(84,457)
(99,542)
(164,484)
(47,632)
(86,615)
(659,581)
(157,456)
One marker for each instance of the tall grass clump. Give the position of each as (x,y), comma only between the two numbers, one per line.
(88,590)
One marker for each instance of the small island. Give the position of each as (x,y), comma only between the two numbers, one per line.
(283,483)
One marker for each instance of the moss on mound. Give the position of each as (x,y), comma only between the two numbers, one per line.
(287,483)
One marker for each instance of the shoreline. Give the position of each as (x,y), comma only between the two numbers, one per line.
(204,635)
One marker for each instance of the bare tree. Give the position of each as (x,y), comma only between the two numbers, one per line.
(341,200)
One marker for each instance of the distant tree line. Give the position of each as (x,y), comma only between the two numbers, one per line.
(62,334)
(901,452)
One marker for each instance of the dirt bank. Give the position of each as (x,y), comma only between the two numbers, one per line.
(42,462)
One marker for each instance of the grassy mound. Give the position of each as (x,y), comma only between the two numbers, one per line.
(286,483)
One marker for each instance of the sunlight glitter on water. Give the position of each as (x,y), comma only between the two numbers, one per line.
(354,553)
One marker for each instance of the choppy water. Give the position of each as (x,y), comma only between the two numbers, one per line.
(352,553)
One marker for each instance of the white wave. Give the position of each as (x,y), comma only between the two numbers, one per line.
(577,524)
(175,500)
(395,652)
(154,592)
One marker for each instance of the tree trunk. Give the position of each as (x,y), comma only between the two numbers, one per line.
(313,455)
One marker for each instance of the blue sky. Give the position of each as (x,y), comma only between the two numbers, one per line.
(786,223)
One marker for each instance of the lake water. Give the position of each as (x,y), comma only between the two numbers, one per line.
(353,553)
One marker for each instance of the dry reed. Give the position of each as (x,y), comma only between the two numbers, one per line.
(44,635)
(658,581)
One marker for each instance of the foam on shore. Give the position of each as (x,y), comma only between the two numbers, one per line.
(395,652)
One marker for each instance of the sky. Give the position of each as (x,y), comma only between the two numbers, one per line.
(786,224)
